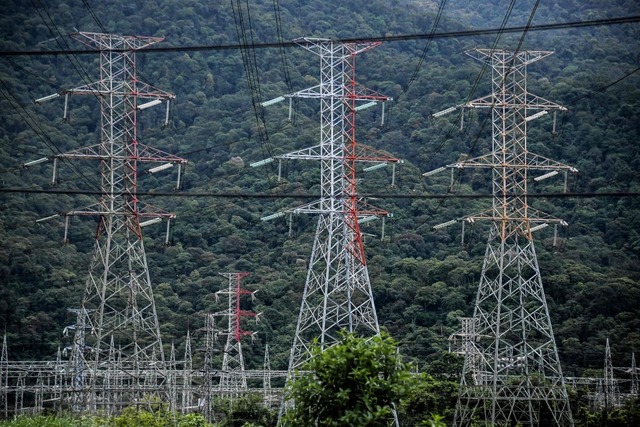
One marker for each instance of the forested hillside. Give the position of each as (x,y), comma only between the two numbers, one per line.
(423,280)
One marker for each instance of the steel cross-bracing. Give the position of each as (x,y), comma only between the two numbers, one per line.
(118,325)
(512,374)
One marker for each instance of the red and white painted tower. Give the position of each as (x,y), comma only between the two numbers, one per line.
(124,355)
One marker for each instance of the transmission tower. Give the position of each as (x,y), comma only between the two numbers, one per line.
(118,297)
(233,378)
(78,368)
(611,397)
(208,369)
(4,379)
(187,370)
(517,377)
(634,375)
(337,293)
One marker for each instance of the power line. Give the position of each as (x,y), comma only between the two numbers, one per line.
(232,195)
(386,39)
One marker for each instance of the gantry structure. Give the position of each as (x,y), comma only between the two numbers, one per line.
(118,353)
(512,373)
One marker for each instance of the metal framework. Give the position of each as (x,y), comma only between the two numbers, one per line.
(337,293)
(607,395)
(28,387)
(233,379)
(513,373)
(123,349)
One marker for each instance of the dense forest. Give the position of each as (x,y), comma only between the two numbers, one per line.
(423,280)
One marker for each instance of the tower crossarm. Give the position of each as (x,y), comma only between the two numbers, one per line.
(364,154)
(114,43)
(526,100)
(317,45)
(364,210)
(508,58)
(145,210)
(360,93)
(531,161)
(104,88)
(533,216)
(145,154)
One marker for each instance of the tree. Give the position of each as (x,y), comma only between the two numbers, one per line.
(246,411)
(355,382)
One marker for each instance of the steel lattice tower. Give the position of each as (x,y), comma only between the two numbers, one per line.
(232,377)
(513,373)
(634,375)
(118,304)
(337,293)
(611,396)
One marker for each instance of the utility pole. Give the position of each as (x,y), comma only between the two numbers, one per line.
(517,375)
(118,297)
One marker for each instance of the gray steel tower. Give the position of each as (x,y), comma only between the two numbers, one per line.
(512,373)
(124,353)
(337,293)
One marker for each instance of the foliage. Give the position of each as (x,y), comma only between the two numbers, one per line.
(625,415)
(44,421)
(245,411)
(356,381)
(434,421)
(130,417)
(436,393)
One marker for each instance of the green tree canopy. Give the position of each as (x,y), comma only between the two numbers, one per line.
(355,382)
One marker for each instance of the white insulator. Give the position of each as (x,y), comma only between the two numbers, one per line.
(435,171)
(273,101)
(149,104)
(539,227)
(536,115)
(545,176)
(47,218)
(367,219)
(161,168)
(35,162)
(151,221)
(272,216)
(365,106)
(262,162)
(46,98)
(444,224)
(374,167)
(443,112)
